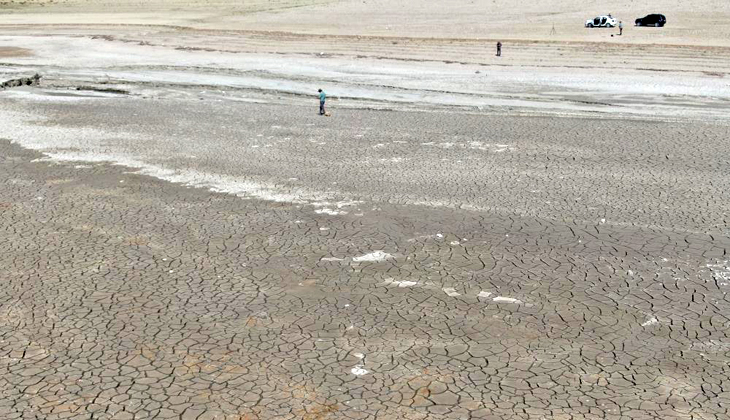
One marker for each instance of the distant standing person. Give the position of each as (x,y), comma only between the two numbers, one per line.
(322,99)
(620,28)
(499,49)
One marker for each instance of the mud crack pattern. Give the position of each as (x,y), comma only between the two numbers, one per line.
(127,297)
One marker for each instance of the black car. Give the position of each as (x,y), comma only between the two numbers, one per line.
(652,20)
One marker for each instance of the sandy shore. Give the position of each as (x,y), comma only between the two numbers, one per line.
(704,23)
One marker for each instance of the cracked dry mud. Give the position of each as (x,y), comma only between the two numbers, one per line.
(125,296)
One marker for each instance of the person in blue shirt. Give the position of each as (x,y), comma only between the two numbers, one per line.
(322,98)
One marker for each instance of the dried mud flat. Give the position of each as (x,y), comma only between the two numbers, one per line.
(126,296)
(531,238)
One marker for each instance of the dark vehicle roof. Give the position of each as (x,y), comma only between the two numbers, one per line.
(654,15)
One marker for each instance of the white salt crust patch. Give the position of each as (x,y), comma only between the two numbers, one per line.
(504,299)
(373,256)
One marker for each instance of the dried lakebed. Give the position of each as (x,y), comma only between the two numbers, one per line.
(373,264)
